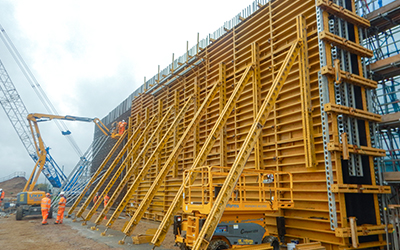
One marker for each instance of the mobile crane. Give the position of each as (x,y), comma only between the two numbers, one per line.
(256,193)
(28,201)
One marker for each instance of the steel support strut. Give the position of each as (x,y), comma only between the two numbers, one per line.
(169,163)
(305,90)
(202,156)
(97,173)
(119,170)
(224,195)
(103,180)
(131,169)
(148,164)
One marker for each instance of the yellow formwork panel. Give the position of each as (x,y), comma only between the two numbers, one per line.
(282,144)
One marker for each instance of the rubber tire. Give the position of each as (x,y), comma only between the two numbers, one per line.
(50,213)
(217,245)
(19,214)
(273,240)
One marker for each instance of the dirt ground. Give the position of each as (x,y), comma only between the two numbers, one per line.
(28,233)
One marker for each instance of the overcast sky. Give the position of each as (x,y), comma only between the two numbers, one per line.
(89,56)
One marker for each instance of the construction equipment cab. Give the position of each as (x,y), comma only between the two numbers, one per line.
(243,222)
(28,201)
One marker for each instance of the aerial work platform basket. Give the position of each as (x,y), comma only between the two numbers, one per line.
(256,190)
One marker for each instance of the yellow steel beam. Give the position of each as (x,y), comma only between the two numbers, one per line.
(352,112)
(196,138)
(176,130)
(365,189)
(98,171)
(256,102)
(159,136)
(345,44)
(202,156)
(222,101)
(119,170)
(305,91)
(107,173)
(149,162)
(343,13)
(361,150)
(131,169)
(224,195)
(344,76)
(169,163)
(363,230)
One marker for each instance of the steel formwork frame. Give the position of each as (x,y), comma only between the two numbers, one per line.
(341,103)
(321,127)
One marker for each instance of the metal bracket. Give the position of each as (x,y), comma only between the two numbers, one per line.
(343,13)
(365,189)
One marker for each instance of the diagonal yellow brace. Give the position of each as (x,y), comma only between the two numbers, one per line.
(148,164)
(202,156)
(131,169)
(108,172)
(217,210)
(170,162)
(97,173)
(119,170)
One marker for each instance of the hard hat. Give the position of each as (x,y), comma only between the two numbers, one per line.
(48,194)
(62,193)
(123,120)
(1,189)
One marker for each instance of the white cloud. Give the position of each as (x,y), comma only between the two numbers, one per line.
(89,56)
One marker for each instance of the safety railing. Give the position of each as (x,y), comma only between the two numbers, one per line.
(256,190)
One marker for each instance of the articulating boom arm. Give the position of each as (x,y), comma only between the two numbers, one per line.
(33,120)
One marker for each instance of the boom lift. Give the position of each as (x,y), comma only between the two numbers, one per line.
(257,192)
(28,201)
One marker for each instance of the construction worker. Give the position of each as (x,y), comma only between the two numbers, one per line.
(106,199)
(121,127)
(2,193)
(46,204)
(61,209)
(96,197)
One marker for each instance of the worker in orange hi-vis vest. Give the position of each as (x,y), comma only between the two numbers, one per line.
(121,127)
(96,197)
(106,199)
(45,205)
(61,209)
(2,194)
